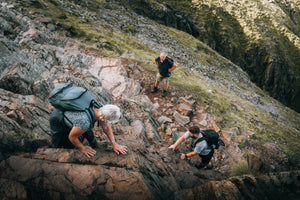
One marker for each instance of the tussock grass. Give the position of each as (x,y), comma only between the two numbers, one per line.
(240,168)
(248,165)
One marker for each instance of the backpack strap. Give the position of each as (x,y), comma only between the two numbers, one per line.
(96,104)
(197,141)
(91,113)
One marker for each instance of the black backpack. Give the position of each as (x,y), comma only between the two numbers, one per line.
(170,59)
(69,97)
(212,138)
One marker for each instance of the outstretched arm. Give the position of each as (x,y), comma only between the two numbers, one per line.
(188,155)
(73,137)
(108,131)
(181,139)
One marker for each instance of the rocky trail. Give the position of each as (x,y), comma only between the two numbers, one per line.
(35,58)
(150,170)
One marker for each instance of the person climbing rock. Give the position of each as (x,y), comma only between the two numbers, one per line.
(69,126)
(165,66)
(201,148)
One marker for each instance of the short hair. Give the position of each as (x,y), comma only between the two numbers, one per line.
(195,130)
(109,113)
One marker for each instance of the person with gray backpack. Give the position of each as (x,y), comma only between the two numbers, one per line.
(72,120)
(203,144)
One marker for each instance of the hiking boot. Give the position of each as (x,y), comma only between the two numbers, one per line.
(164,94)
(199,166)
(154,90)
(210,167)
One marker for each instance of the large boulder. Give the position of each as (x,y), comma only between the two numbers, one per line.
(274,186)
(62,180)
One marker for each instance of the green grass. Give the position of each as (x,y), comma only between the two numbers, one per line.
(250,164)
(242,167)
(248,117)
(265,127)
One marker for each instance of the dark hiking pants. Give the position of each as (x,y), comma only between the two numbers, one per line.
(206,158)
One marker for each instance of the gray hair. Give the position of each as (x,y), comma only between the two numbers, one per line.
(109,113)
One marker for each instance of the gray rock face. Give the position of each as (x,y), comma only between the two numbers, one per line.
(283,185)
(181,118)
(61,180)
(34,58)
(12,189)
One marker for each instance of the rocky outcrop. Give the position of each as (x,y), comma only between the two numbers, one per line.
(164,14)
(61,173)
(34,58)
(284,185)
(26,82)
(57,179)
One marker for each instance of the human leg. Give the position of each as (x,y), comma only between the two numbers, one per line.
(59,131)
(157,81)
(166,85)
(206,160)
(56,118)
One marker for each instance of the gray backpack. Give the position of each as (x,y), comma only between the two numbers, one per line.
(69,97)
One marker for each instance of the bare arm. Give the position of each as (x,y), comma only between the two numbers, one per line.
(156,64)
(181,139)
(73,137)
(188,155)
(108,131)
(173,67)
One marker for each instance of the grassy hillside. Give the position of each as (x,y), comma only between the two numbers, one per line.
(262,37)
(214,80)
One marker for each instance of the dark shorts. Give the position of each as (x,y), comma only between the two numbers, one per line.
(60,132)
(206,158)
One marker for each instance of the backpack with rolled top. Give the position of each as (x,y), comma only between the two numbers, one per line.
(211,137)
(69,97)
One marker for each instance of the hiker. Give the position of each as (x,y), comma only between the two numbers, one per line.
(201,148)
(69,126)
(165,65)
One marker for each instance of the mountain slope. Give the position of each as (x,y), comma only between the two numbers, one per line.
(216,81)
(109,50)
(262,37)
